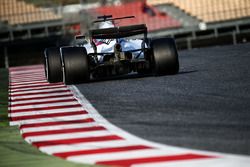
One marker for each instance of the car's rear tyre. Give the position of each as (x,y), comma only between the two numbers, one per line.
(75,65)
(53,65)
(165,56)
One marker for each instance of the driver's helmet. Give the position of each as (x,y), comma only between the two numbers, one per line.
(103,25)
(106,24)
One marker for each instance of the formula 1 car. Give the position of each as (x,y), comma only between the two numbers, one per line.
(110,51)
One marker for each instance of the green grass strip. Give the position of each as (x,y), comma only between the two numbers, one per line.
(4,81)
(14,151)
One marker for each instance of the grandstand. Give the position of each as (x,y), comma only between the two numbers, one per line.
(14,12)
(210,11)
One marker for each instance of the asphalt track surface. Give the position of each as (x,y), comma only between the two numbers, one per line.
(206,106)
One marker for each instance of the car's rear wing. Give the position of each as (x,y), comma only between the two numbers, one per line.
(109,18)
(118,32)
(80,37)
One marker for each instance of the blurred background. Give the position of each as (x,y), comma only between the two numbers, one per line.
(29,26)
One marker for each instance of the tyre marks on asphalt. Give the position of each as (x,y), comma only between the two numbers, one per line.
(59,121)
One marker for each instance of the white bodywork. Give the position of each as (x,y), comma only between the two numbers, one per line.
(108,47)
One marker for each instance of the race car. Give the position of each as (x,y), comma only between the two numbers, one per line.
(111,50)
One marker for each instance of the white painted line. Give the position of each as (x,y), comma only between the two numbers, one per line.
(27,76)
(39,91)
(28,82)
(59,127)
(25,68)
(54,119)
(62,110)
(42,100)
(15,81)
(74,135)
(92,159)
(40,95)
(20,86)
(86,146)
(38,88)
(31,71)
(13,109)
(37,74)
(33,83)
